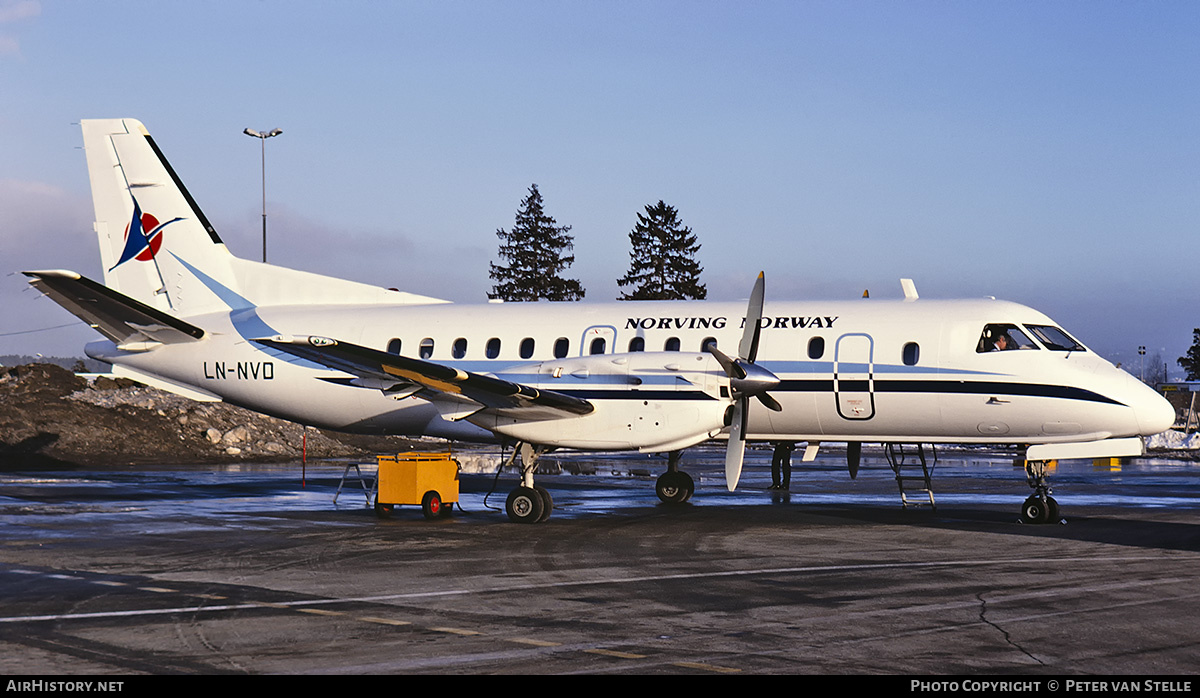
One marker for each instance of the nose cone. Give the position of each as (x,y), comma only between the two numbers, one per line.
(1154,414)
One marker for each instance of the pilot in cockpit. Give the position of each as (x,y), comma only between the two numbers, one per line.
(1002,337)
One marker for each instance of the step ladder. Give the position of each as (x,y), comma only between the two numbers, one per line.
(368,492)
(905,459)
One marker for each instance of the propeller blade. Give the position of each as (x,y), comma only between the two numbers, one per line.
(769,402)
(748,349)
(735,452)
(853,457)
(731,368)
(745,378)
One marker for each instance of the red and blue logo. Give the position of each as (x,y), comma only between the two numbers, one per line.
(143,236)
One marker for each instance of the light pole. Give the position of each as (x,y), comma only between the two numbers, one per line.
(263,139)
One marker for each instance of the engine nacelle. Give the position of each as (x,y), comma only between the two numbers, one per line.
(646,401)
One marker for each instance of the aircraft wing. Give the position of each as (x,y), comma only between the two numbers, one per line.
(127,322)
(470,392)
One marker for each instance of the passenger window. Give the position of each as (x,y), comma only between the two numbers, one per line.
(527,347)
(493,347)
(911,354)
(637,344)
(393,346)
(1055,339)
(816,347)
(597,346)
(426,350)
(562,345)
(707,341)
(459,348)
(671,344)
(1003,337)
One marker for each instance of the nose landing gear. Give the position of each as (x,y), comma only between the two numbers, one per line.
(1040,507)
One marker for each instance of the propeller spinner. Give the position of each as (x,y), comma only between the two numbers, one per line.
(746,379)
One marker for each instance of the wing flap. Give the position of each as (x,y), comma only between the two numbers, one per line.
(125,321)
(487,391)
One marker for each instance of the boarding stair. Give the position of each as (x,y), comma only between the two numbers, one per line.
(914,473)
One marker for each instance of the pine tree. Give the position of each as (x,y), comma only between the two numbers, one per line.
(534,251)
(662,264)
(1191,362)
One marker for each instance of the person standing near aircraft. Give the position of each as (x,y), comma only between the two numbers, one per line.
(781,465)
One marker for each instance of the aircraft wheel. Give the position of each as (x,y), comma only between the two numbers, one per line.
(524,505)
(431,505)
(547,502)
(674,487)
(1035,510)
(689,485)
(1052,511)
(384,511)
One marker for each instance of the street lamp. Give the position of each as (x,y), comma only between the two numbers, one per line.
(263,139)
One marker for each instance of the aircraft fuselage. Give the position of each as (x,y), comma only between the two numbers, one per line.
(848,370)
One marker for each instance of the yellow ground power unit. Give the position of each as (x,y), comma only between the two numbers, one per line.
(428,479)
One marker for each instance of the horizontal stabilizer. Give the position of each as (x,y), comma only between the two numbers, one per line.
(437,380)
(127,322)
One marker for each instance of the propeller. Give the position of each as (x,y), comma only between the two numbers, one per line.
(745,379)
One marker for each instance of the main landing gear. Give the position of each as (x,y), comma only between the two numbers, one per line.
(528,503)
(674,486)
(1040,507)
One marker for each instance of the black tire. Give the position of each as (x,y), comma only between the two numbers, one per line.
(690,485)
(1035,511)
(384,511)
(1052,515)
(431,505)
(524,505)
(547,502)
(672,487)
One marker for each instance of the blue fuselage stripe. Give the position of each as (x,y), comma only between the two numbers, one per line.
(944,387)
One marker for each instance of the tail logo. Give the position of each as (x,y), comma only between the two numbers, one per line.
(143,236)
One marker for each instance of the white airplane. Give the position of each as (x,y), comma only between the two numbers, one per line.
(180,312)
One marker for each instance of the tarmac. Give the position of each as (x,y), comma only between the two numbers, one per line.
(246,570)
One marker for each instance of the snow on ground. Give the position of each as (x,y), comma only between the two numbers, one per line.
(1173,440)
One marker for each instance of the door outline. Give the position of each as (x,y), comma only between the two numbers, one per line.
(606,332)
(854,349)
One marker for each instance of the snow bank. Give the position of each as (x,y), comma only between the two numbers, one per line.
(1173,441)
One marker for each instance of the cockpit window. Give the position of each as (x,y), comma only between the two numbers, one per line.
(1055,339)
(1003,337)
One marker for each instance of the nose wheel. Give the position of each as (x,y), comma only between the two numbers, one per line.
(1040,507)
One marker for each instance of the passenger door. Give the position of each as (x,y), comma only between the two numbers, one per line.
(853,376)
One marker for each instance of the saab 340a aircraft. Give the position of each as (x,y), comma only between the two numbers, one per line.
(180,312)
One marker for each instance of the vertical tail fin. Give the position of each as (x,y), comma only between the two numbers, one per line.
(157,247)
(155,243)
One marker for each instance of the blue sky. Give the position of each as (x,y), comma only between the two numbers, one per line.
(1041,152)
